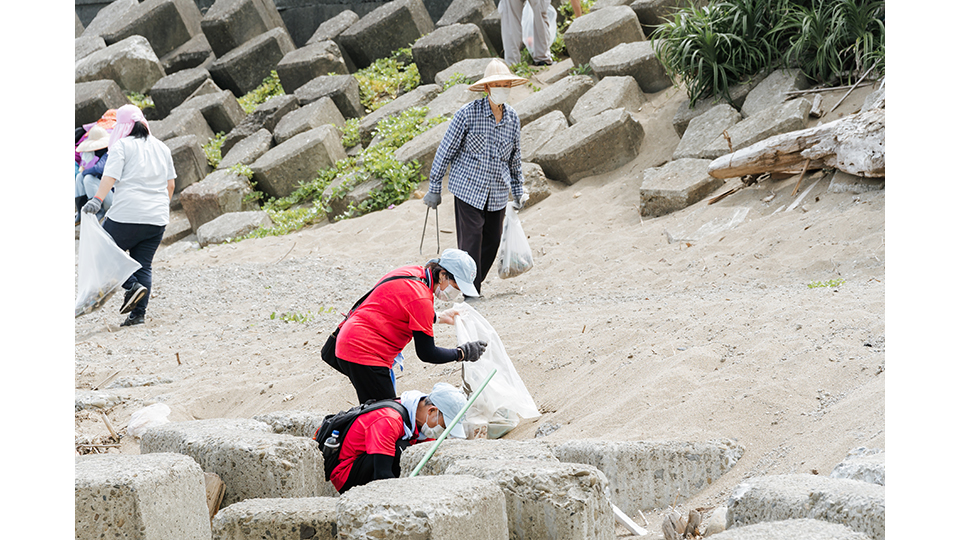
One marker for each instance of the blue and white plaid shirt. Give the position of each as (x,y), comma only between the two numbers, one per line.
(483,156)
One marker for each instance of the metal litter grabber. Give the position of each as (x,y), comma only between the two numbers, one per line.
(424,234)
(436,444)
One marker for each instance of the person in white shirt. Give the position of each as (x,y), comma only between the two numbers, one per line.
(141,169)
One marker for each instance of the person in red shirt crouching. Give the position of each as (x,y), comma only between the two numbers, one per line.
(372,447)
(398,310)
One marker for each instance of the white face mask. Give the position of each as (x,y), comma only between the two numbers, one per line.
(432,432)
(499,95)
(448,294)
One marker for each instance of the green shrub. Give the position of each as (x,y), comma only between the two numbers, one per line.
(212,149)
(142,101)
(387,78)
(269,88)
(455,79)
(351,133)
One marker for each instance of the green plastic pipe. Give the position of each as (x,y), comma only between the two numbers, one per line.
(450,425)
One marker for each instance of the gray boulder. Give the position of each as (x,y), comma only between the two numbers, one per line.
(174,89)
(221,110)
(535,183)
(85,46)
(862,464)
(344,90)
(131,63)
(206,88)
(302,65)
(231,23)
(108,17)
(421,96)
(469,12)
(363,189)
(675,186)
(599,31)
(319,113)
(166,24)
(221,192)
(490,25)
(450,100)
(265,116)
(247,150)
(92,99)
(471,68)
(232,225)
(393,25)
(685,113)
(280,171)
(653,13)
(562,96)
(610,93)
(634,60)
(704,130)
(194,53)
(182,122)
(189,161)
(331,29)
(536,134)
(772,90)
(245,67)
(789,529)
(790,116)
(423,148)
(446,46)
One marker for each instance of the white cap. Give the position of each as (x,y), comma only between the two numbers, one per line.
(450,401)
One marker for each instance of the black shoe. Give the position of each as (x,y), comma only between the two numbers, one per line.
(131,297)
(543,63)
(132,320)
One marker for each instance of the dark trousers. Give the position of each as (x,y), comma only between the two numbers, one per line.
(370,382)
(478,233)
(141,242)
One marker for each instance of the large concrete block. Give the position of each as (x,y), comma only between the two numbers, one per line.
(280,171)
(319,113)
(534,183)
(166,24)
(192,54)
(420,96)
(307,518)
(251,461)
(490,25)
(85,46)
(863,464)
(469,12)
(298,423)
(92,99)
(245,67)
(446,46)
(364,187)
(610,93)
(247,150)
(226,228)
(450,100)
(599,31)
(790,529)
(471,68)
(454,450)
(633,60)
(331,29)
(423,148)
(653,13)
(266,116)
(790,116)
(536,134)
(597,145)
(221,110)
(150,497)
(131,63)
(302,65)
(175,88)
(772,90)
(449,507)
(646,475)
(704,130)
(344,90)
(391,26)
(189,161)
(108,17)
(231,23)
(561,96)
(685,113)
(675,186)
(221,192)
(559,501)
(182,122)
(858,505)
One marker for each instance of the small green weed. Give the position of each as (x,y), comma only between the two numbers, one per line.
(833,283)
(351,133)
(212,149)
(269,88)
(387,78)
(142,101)
(302,318)
(582,69)
(455,79)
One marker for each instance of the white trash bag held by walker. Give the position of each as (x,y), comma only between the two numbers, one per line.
(102,267)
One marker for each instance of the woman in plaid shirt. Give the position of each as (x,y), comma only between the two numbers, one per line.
(482,149)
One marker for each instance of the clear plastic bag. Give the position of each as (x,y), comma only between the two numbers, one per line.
(146,418)
(526,25)
(505,399)
(102,267)
(515,256)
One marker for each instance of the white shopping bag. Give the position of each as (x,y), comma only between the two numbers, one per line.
(102,267)
(515,256)
(506,397)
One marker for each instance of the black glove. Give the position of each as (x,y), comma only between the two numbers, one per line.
(432,200)
(93,206)
(473,350)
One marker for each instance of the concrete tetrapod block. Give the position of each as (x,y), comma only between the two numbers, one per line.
(298,423)
(536,134)
(423,148)
(266,116)
(300,66)
(152,497)
(92,99)
(451,100)
(675,186)
(344,90)
(610,93)
(472,12)
(446,46)
(490,25)
(182,122)
(280,171)
(231,23)
(772,90)
(174,89)
(863,464)
(165,24)
(131,63)
(248,150)
(559,501)
(85,46)
(599,31)
(108,17)
(331,29)
(534,183)
(319,113)
(393,25)
(306,518)
(808,529)
(194,53)
(561,96)
(653,13)
(251,461)
(221,192)
(790,116)
(420,96)
(644,474)
(705,129)
(363,186)
(449,507)
(633,60)
(244,68)
(684,114)
(218,231)
(471,69)
(597,145)
(858,505)
(189,161)
(453,450)
(220,109)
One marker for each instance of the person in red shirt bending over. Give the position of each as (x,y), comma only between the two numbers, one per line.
(372,447)
(398,310)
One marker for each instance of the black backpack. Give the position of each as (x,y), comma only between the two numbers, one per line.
(341,422)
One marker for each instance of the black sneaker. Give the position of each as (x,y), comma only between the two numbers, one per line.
(547,62)
(132,320)
(131,297)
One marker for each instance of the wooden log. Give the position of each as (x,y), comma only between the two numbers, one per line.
(215,489)
(853,144)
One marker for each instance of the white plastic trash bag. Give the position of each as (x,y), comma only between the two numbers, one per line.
(102,267)
(146,418)
(505,397)
(515,256)
(526,26)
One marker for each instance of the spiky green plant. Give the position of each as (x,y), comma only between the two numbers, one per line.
(269,88)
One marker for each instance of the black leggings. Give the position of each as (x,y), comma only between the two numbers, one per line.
(370,382)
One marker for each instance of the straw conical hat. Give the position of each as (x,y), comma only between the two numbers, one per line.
(97,139)
(497,70)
